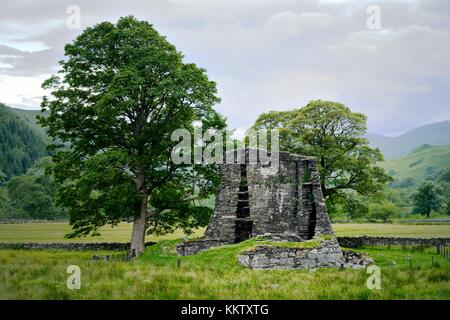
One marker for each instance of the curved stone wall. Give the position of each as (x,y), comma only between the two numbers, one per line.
(327,254)
(192,247)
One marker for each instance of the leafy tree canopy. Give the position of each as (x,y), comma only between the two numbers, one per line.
(334,134)
(121,91)
(427,198)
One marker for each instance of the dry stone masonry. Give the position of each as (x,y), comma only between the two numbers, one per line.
(259,198)
(192,247)
(280,201)
(326,254)
(100,246)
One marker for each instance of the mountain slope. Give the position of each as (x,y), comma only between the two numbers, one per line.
(29,116)
(436,134)
(423,163)
(20,145)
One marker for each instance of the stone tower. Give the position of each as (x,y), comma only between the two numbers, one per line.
(257,198)
(280,201)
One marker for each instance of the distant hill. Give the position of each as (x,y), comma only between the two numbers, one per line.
(21,143)
(29,116)
(423,163)
(436,134)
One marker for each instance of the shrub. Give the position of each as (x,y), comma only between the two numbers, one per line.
(382,211)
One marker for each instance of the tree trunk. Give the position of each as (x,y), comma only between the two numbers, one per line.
(140,221)
(139,227)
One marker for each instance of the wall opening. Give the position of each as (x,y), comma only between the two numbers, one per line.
(243,230)
(312,221)
(243,225)
(243,205)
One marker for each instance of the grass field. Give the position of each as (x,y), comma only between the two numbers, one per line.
(214,274)
(391,230)
(55,231)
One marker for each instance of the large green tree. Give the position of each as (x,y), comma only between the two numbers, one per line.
(335,135)
(122,90)
(427,198)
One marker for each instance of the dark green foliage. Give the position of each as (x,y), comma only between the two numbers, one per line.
(349,204)
(176,212)
(335,135)
(121,92)
(96,192)
(20,146)
(6,210)
(30,196)
(427,198)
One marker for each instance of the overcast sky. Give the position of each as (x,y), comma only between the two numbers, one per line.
(264,55)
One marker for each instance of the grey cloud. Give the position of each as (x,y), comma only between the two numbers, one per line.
(28,63)
(275,54)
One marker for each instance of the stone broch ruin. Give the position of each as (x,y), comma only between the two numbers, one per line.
(278,203)
(256,199)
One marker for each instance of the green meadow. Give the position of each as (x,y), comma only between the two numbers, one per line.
(214,274)
(55,231)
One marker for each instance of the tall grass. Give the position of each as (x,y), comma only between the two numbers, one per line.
(215,274)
